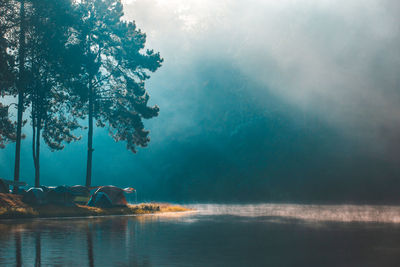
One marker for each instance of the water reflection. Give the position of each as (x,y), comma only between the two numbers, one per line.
(89,238)
(38,250)
(18,258)
(217,236)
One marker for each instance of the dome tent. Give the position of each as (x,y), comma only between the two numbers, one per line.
(4,188)
(114,194)
(81,193)
(60,195)
(34,196)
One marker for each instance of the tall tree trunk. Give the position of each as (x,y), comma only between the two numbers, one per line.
(34,116)
(38,123)
(37,166)
(90,136)
(21,87)
(36,129)
(34,133)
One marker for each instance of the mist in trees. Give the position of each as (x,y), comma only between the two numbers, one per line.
(64,63)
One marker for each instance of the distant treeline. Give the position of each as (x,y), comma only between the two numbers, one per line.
(68,61)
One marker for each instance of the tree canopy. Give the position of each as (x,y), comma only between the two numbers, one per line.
(113,72)
(66,61)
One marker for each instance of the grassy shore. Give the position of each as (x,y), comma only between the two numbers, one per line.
(12,207)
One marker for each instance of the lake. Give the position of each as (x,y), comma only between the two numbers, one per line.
(213,235)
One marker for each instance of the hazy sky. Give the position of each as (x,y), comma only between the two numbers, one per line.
(339,59)
(260,100)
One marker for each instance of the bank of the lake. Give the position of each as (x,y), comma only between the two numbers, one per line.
(12,207)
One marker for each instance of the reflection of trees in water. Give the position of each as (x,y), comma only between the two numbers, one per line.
(89,241)
(115,236)
(18,248)
(18,254)
(38,255)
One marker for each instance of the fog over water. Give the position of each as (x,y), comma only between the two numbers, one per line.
(214,235)
(306,213)
(282,101)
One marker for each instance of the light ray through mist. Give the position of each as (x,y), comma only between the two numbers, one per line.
(337,59)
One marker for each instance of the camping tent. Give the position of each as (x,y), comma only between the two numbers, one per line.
(115,195)
(101,200)
(60,195)
(4,187)
(81,194)
(34,196)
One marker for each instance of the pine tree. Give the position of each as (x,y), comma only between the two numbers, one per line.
(114,72)
(128,101)
(49,60)
(7,127)
(7,78)
(38,47)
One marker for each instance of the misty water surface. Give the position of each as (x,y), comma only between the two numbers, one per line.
(214,235)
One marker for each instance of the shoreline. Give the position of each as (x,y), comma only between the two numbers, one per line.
(12,207)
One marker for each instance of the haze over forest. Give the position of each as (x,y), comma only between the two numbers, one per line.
(259,101)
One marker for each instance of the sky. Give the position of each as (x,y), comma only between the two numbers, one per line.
(294,101)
